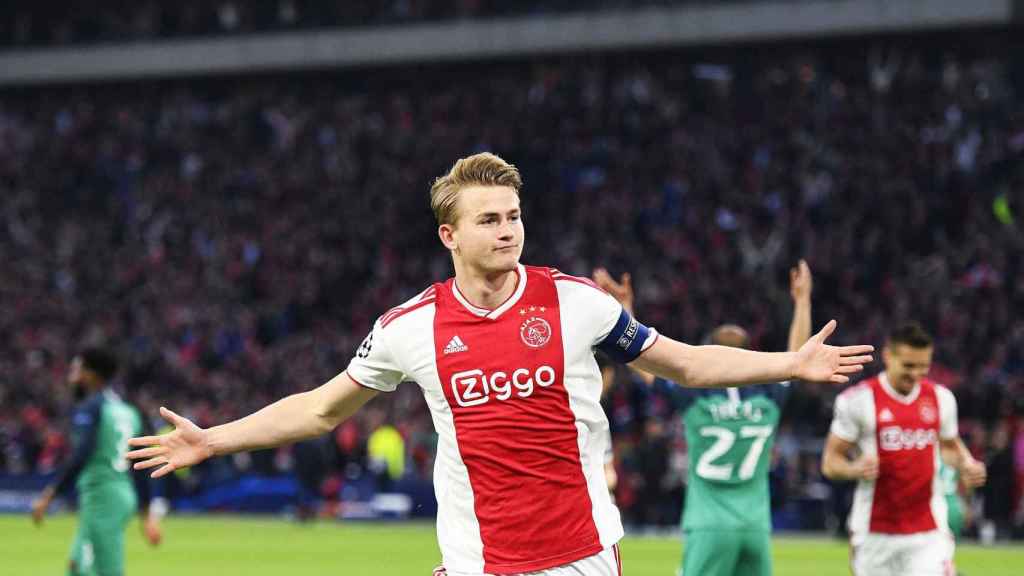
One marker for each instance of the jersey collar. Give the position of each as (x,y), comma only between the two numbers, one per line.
(508,303)
(883,378)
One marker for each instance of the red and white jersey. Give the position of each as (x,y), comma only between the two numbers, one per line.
(904,433)
(514,394)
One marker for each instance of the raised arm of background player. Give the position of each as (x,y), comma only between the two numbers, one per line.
(800,286)
(318,411)
(84,429)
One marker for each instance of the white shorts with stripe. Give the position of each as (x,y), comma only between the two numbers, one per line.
(608,562)
(921,554)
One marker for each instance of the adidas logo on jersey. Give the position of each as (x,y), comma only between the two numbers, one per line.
(455,345)
(885,415)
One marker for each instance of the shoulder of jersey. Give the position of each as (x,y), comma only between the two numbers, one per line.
(862,387)
(87,410)
(939,388)
(562,277)
(428,296)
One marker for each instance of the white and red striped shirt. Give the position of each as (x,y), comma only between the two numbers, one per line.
(514,394)
(904,433)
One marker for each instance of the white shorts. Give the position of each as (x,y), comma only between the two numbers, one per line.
(604,563)
(921,554)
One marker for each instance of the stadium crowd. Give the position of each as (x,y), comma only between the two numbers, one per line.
(47,23)
(235,239)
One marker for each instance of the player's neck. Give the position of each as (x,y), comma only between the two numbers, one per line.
(904,391)
(899,388)
(485,290)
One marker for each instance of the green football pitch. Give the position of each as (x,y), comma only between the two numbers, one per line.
(225,546)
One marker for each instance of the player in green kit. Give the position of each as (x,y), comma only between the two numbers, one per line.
(108,491)
(729,434)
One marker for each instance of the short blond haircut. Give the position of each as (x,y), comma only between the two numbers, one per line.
(484,169)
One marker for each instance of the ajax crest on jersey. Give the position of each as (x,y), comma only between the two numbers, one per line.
(928,413)
(535,332)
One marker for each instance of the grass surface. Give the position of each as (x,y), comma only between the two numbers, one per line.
(224,546)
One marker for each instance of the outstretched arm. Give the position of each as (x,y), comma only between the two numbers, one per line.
(288,420)
(731,361)
(723,366)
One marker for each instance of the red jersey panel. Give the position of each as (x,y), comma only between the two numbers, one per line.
(516,431)
(907,434)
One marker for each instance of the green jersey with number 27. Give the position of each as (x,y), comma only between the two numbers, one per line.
(730,436)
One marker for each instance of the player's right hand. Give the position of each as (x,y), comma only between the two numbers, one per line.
(39,506)
(38,512)
(800,282)
(973,473)
(621,290)
(151,530)
(866,468)
(186,446)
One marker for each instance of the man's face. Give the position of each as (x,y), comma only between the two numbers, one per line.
(488,233)
(906,365)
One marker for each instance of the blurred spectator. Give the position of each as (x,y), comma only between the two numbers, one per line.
(385,450)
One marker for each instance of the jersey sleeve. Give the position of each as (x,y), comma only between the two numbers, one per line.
(845,421)
(591,315)
(84,427)
(627,338)
(948,426)
(375,365)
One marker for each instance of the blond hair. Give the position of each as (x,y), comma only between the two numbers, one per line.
(484,169)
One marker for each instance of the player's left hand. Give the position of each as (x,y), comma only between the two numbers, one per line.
(816,361)
(186,446)
(973,473)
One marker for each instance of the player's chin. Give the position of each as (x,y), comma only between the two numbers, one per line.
(504,261)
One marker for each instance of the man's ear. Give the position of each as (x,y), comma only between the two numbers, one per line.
(446,232)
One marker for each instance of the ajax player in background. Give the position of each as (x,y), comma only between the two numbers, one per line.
(903,426)
(108,492)
(729,434)
(504,355)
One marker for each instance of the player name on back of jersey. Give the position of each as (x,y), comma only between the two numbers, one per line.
(732,410)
